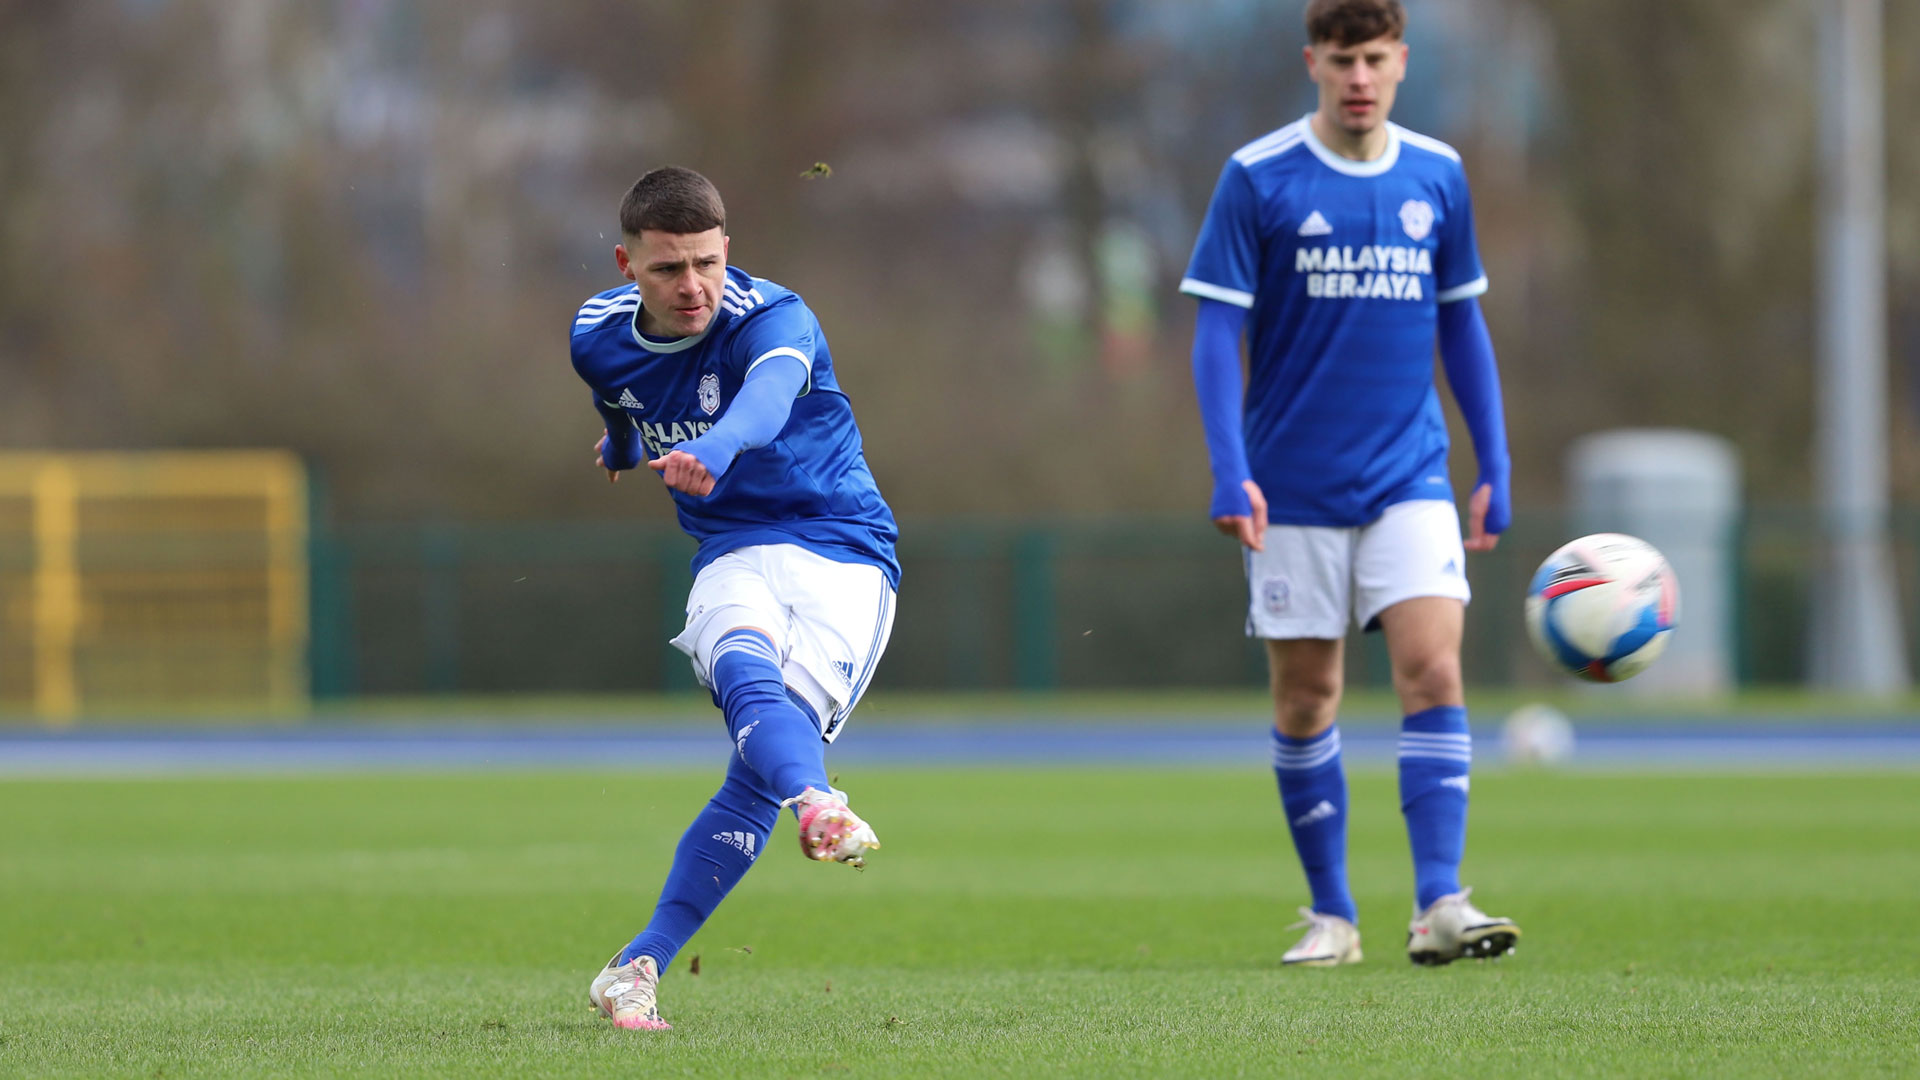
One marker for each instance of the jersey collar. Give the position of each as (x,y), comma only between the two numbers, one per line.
(677,344)
(1344,166)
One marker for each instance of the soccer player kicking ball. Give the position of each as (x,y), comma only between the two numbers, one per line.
(722,384)
(1340,244)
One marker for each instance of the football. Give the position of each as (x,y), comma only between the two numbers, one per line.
(1602,607)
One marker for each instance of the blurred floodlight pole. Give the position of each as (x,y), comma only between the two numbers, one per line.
(1857,640)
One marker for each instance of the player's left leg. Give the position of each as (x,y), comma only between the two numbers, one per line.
(1408,572)
(716,851)
(1423,636)
(1436,751)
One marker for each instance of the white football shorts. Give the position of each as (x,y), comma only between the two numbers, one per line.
(829,621)
(1312,579)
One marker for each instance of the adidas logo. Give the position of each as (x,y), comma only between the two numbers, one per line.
(1321,812)
(1452,567)
(628,401)
(845,668)
(741,742)
(743,840)
(1460,782)
(1315,225)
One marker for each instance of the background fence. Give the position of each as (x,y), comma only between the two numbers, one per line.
(175,581)
(1034,604)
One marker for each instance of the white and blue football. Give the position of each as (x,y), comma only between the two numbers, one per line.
(1603,607)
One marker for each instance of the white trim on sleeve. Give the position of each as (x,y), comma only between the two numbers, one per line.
(1196,287)
(785,351)
(1462,292)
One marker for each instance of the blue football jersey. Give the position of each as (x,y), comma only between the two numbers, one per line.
(1342,265)
(810,486)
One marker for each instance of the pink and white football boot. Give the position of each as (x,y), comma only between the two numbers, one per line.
(829,831)
(627,994)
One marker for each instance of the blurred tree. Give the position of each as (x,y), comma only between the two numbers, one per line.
(1683,156)
(359,229)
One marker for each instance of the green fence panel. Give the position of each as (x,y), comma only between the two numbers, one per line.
(984,604)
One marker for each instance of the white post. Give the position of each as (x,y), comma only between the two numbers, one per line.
(1857,640)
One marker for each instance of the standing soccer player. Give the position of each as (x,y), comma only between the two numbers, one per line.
(722,384)
(1342,246)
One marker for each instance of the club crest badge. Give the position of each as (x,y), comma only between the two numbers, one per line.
(1277,594)
(709,393)
(1417,218)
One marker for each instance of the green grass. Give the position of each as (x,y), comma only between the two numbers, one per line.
(1018,923)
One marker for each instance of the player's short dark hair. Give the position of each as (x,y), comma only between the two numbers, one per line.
(1347,23)
(674,200)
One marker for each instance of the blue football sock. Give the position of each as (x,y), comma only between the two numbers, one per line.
(775,734)
(1313,792)
(1435,757)
(715,853)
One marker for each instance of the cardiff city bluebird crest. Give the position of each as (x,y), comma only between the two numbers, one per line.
(1416,217)
(1277,594)
(709,393)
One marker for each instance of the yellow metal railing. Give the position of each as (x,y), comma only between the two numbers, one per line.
(152,580)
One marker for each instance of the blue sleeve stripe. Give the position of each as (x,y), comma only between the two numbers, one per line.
(785,351)
(1462,292)
(1196,287)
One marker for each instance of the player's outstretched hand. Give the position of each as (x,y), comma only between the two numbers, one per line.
(1478,538)
(683,472)
(1250,529)
(600,458)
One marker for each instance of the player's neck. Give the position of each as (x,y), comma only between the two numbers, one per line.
(651,328)
(1366,146)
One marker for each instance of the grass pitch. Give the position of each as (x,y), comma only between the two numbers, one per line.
(1088,922)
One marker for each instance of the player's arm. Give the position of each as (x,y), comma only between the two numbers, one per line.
(1224,274)
(1238,507)
(1466,352)
(757,415)
(619,447)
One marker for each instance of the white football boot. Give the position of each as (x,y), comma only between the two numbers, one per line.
(829,831)
(627,993)
(1452,929)
(1330,940)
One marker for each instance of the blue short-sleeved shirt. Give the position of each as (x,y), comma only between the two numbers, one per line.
(810,486)
(1342,265)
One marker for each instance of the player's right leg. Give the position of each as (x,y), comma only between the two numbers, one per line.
(716,851)
(739,635)
(1300,603)
(1306,680)
(777,734)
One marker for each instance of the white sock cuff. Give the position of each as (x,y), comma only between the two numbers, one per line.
(1292,756)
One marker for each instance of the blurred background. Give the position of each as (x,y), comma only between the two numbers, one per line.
(348,236)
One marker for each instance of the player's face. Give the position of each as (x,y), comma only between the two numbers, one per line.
(680,277)
(1357,82)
